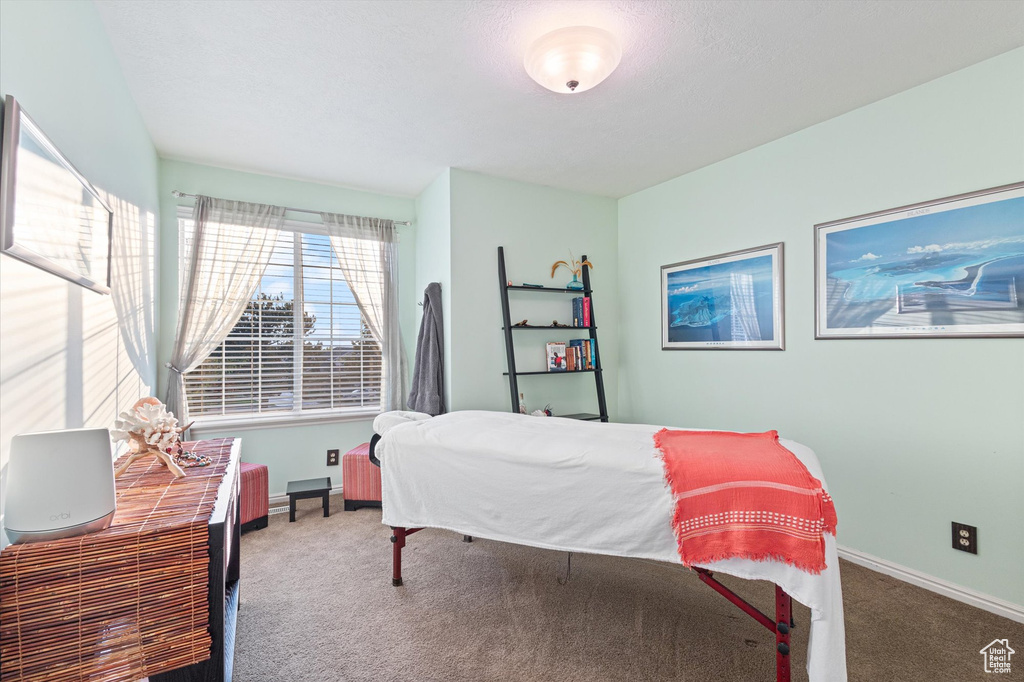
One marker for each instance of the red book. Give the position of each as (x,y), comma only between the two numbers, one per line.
(586,311)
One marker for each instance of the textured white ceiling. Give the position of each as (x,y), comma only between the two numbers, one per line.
(382,95)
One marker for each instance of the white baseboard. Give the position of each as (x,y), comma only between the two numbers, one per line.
(985,602)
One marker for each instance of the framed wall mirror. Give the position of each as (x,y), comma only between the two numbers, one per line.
(50,215)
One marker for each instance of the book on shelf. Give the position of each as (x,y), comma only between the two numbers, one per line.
(581,311)
(556,356)
(577,353)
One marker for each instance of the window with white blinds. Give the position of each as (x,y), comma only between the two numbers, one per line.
(301,346)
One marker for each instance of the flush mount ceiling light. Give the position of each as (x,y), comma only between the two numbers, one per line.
(572,59)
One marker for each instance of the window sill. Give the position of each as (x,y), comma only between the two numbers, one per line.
(206,424)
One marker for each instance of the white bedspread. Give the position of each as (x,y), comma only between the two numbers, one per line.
(575,486)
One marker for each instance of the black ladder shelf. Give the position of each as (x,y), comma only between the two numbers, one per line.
(513,375)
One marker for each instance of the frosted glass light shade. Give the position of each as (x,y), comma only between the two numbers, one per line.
(572,59)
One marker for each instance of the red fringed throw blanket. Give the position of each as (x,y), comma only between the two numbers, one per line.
(744,495)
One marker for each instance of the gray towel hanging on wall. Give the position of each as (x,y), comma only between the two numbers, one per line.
(427,394)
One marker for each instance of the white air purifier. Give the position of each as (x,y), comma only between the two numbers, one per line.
(59,484)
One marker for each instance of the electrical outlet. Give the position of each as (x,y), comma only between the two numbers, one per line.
(332,458)
(965,538)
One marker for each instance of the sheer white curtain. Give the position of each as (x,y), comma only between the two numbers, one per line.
(367,251)
(132,286)
(231,244)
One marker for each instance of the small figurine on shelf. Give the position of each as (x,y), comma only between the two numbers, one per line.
(575,267)
(151,430)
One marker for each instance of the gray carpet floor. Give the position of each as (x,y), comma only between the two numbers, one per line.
(317,604)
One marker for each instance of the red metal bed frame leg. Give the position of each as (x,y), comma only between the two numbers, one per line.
(783,620)
(397,543)
(781,626)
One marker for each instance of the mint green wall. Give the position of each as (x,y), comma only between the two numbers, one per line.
(912,434)
(537,225)
(56,59)
(63,362)
(434,258)
(294,452)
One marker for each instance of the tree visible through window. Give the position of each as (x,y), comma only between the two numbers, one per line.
(301,345)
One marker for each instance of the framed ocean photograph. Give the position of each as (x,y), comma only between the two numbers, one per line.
(733,301)
(953,267)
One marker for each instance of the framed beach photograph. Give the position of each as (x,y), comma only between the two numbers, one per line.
(953,267)
(733,301)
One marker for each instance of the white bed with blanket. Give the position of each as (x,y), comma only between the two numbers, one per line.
(576,486)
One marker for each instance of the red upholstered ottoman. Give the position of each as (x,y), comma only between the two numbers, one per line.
(255,496)
(360,479)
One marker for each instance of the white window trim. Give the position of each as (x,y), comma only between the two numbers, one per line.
(281,419)
(276,420)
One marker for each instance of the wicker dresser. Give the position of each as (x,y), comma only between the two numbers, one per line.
(153,595)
